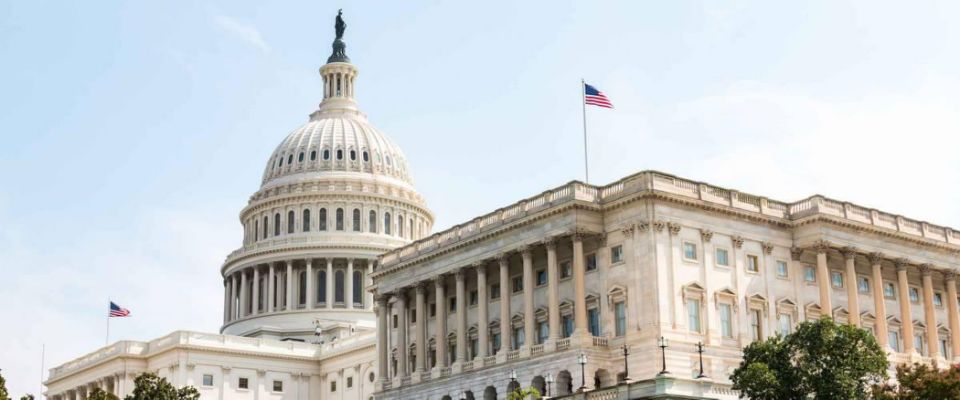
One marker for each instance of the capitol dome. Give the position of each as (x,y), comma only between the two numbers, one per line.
(335,194)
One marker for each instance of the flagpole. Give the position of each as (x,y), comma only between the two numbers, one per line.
(106,341)
(43,357)
(583,101)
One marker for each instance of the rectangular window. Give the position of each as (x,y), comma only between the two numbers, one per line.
(782,270)
(541,277)
(836,279)
(566,269)
(333,386)
(809,274)
(726,320)
(518,338)
(689,251)
(693,315)
(785,322)
(543,331)
(453,304)
(433,309)
(473,348)
(938,299)
(943,349)
(243,383)
(349,382)
(474,298)
(394,320)
(593,319)
(495,341)
(889,290)
(723,257)
(755,329)
(616,254)
(894,340)
(207,380)
(863,284)
(914,295)
(517,284)
(753,263)
(918,344)
(591,262)
(495,291)
(620,311)
(567,322)
(413,315)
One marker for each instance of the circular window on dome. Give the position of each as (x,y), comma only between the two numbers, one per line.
(339,154)
(353,155)
(326,154)
(366,156)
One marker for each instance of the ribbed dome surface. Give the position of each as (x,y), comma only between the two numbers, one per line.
(340,142)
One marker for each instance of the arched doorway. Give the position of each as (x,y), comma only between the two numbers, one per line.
(469,395)
(512,387)
(602,379)
(540,384)
(447,397)
(490,393)
(564,383)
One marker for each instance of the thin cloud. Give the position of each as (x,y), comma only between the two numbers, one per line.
(243,31)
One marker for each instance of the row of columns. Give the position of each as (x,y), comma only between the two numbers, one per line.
(903,288)
(479,270)
(239,294)
(110,384)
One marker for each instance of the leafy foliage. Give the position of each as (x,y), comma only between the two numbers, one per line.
(27,396)
(821,360)
(3,389)
(148,386)
(99,394)
(530,393)
(920,381)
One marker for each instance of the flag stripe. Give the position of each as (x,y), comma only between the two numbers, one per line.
(117,311)
(594,97)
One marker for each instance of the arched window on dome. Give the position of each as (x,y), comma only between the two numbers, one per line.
(356,220)
(313,155)
(266,226)
(291,221)
(339,219)
(388,161)
(302,286)
(326,154)
(290,159)
(372,224)
(256,229)
(386,223)
(400,225)
(306,220)
(353,155)
(413,233)
(323,219)
(300,157)
(339,154)
(338,287)
(276,224)
(357,288)
(322,286)
(366,156)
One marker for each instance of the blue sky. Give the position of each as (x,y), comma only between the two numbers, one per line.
(132,134)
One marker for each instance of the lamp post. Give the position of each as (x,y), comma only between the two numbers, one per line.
(700,350)
(626,368)
(582,360)
(513,380)
(549,379)
(663,343)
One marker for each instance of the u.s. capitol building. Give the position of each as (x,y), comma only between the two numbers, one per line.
(340,291)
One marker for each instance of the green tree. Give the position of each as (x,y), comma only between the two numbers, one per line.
(148,386)
(919,382)
(3,388)
(821,360)
(99,394)
(27,396)
(530,393)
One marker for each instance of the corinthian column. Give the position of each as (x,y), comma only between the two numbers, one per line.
(952,313)
(288,290)
(271,290)
(310,280)
(929,314)
(233,297)
(402,329)
(421,328)
(382,351)
(853,301)
(823,277)
(255,296)
(348,300)
(482,318)
(879,304)
(580,290)
(330,279)
(906,320)
(441,322)
(504,262)
(553,291)
(461,316)
(528,331)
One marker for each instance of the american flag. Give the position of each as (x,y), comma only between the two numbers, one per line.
(595,97)
(117,311)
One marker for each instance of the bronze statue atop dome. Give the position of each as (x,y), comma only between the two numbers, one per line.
(339,47)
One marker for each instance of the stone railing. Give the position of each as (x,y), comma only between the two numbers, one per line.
(563,344)
(661,183)
(604,394)
(467,366)
(513,355)
(312,238)
(445,371)
(536,350)
(489,360)
(600,341)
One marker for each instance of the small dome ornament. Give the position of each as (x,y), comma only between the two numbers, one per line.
(339,47)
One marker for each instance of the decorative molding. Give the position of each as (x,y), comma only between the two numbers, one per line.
(849,252)
(902,264)
(659,225)
(628,230)
(737,241)
(525,250)
(949,276)
(503,258)
(461,274)
(550,243)
(422,287)
(643,226)
(767,247)
(821,246)
(706,235)
(674,228)
(926,269)
(796,253)
(480,266)
(876,257)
